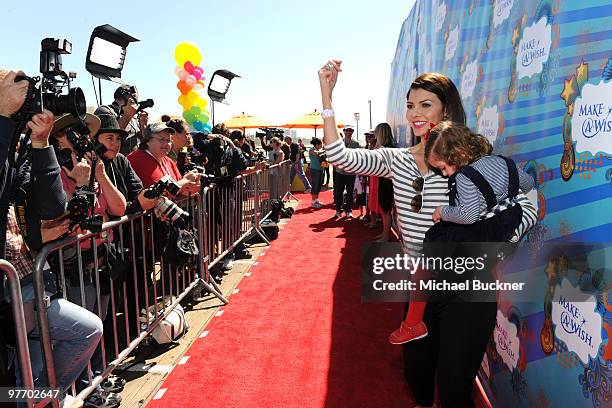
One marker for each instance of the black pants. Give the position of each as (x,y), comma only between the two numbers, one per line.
(455,346)
(342,182)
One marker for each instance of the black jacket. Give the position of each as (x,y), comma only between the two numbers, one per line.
(36,186)
(123,176)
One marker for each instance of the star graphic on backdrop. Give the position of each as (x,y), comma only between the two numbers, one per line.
(582,74)
(569,91)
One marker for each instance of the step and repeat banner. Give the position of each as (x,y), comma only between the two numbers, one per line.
(535,78)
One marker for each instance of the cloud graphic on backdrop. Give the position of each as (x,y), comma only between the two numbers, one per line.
(191,84)
(534,48)
(592,118)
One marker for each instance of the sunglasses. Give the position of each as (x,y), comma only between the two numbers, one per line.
(417,201)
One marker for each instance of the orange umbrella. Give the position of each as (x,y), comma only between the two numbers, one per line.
(312,120)
(244,121)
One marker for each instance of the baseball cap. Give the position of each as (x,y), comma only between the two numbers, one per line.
(156,127)
(68,121)
(369,132)
(349,127)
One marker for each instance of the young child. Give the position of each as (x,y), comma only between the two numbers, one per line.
(484,202)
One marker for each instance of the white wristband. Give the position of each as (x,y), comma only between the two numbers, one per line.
(327,113)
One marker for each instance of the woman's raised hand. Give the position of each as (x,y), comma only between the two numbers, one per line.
(328,75)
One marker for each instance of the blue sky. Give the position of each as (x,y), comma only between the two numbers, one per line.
(276,46)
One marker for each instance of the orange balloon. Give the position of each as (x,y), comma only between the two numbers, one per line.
(183,87)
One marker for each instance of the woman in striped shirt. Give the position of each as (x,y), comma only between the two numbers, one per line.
(458,331)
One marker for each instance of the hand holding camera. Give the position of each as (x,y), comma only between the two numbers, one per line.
(41,125)
(80,171)
(12,94)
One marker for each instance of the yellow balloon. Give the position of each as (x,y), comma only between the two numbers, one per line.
(187,51)
(201,102)
(182,99)
(192,97)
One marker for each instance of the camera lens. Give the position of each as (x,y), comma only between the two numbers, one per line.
(73,103)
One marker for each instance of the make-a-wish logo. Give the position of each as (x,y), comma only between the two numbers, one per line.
(451,43)
(506,341)
(534,49)
(501,11)
(488,123)
(576,323)
(468,79)
(592,118)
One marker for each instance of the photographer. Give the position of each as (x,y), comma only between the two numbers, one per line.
(119,168)
(239,139)
(151,161)
(129,115)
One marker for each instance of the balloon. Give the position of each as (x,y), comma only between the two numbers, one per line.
(198,125)
(182,100)
(192,96)
(196,74)
(183,87)
(190,80)
(195,110)
(207,128)
(197,88)
(189,66)
(204,118)
(201,102)
(200,69)
(182,74)
(187,51)
(176,71)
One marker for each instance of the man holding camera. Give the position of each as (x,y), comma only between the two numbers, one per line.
(129,114)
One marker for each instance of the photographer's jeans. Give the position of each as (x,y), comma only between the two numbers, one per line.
(75,333)
(300,172)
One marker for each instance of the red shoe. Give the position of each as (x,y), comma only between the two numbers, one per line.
(408,333)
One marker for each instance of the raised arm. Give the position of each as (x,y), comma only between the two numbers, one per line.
(357,161)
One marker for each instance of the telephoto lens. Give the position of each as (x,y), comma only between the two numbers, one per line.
(168,210)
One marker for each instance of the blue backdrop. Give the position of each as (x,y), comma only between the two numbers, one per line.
(535,78)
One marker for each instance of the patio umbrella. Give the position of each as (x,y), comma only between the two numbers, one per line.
(312,120)
(244,121)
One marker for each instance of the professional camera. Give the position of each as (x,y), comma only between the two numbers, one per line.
(168,209)
(261,156)
(46,93)
(77,136)
(132,93)
(79,208)
(163,185)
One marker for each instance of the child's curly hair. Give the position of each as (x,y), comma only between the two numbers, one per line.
(456,144)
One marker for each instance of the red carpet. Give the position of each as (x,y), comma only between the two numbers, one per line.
(297,334)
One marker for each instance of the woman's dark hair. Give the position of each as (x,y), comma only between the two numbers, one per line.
(445,90)
(177,124)
(165,118)
(315,141)
(456,144)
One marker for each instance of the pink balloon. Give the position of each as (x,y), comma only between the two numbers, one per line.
(190,80)
(199,68)
(182,74)
(197,74)
(188,66)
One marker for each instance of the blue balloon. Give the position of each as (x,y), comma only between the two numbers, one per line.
(197,125)
(207,127)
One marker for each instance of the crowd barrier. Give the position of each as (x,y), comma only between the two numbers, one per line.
(87,269)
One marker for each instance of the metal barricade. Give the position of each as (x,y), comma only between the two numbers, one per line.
(222,217)
(85,268)
(21,335)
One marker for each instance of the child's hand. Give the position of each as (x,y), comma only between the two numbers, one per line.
(437,214)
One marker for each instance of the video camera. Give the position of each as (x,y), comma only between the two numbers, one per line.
(165,184)
(269,133)
(132,93)
(46,93)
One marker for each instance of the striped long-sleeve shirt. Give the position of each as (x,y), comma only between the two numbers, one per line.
(399,166)
(470,205)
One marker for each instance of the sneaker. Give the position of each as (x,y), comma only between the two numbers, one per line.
(113,384)
(307,191)
(408,333)
(320,203)
(243,255)
(316,205)
(349,215)
(338,215)
(102,399)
